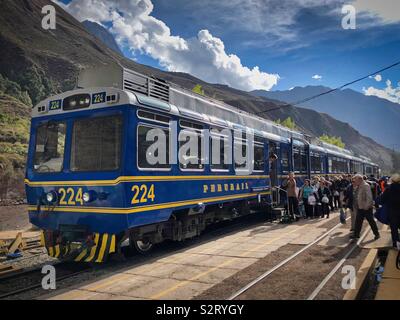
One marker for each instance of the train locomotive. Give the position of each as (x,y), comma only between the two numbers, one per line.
(91,188)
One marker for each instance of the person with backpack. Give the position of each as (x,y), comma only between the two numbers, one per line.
(348,203)
(391,199)
(343,184)
(305,192)
(323,197)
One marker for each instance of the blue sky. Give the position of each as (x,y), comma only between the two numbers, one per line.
(289,41)
(337,55)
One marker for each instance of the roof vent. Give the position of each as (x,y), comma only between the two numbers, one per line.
(149,86)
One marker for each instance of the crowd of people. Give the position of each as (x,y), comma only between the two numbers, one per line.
(356,195)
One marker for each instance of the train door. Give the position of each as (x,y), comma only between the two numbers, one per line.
(273,163)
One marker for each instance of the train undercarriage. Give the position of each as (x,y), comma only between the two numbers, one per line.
(187,224)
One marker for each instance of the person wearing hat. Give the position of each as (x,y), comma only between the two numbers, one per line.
(391,198)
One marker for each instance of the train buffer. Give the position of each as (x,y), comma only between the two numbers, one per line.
(389,287)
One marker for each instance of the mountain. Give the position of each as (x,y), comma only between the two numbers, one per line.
(103,34)
(36,63)
(371,116)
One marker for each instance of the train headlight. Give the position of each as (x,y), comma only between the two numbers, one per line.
(51,197)
(89,196)
(86,196)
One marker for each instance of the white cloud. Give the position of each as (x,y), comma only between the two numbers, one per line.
(316,77)
(377,78)
(388,93)
(388,11)
(203,56)
(272,19)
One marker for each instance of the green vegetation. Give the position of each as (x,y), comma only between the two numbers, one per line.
(336,141)
(14,138)
(14,89)
(288,123)
(198,89)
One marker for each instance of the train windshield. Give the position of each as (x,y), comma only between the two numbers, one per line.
(49,149)
(96,144)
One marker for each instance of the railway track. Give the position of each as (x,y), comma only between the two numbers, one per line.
(29,280)
(317,290)
(22,282)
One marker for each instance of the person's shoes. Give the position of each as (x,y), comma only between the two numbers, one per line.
(377,237)
(351,230)
(327,217)
(353,236)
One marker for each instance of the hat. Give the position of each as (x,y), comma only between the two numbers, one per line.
(395,178)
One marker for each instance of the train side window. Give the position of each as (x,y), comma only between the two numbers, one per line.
(285,160)
(220,153)
(259,161)
(297,161)
(316,163)
(96,144)
(303,162)
(190,125)
(191,150)
(240,154)
(49,148)
(152,116)
(153,147)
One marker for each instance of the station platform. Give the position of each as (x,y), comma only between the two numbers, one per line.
(389,287)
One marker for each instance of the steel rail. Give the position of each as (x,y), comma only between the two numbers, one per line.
(281,264)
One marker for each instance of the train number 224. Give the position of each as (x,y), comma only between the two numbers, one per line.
(70,196)
(142,193)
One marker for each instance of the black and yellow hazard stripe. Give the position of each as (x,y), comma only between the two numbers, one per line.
(104,245)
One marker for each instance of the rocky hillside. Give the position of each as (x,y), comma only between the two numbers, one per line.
(102,34)
(14,136)
(41,62)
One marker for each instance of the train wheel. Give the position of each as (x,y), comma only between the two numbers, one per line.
(143,246)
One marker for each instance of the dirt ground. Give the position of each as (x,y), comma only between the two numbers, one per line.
(14,218)
(294,281)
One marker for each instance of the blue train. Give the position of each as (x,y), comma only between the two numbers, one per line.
(92,189)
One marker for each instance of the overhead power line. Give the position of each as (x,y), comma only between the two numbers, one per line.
(329,91)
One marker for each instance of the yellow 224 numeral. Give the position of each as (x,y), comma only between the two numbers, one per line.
(142,193)
(69,197)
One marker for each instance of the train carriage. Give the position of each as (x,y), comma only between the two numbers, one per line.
(90,184)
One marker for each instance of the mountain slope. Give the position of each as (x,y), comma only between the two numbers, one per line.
(372,116)
(102,33)
(44,62)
